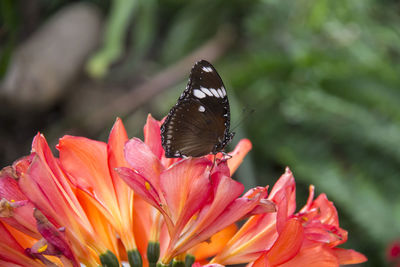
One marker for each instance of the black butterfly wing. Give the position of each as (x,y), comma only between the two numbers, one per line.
(199,123)
(189,135)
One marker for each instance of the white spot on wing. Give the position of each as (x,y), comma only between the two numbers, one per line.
(202,109)
(220,93)
(199,94)
(206,91)
(207,69)
(223,91)
(214,92)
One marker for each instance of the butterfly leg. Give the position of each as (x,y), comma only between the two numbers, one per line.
(225,157)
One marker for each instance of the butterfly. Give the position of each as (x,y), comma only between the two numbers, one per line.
(199,122)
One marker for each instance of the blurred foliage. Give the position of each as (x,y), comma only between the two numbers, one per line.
(9,29)
(322,77)
(114,33)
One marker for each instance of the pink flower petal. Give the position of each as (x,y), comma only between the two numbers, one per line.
(236,210)
(15,209)
(39,185)
(328,214)
(283,194)
(226,191)
(142,159)
(46,182)
(55,237)
(186,186)
(140,186)
(265,206)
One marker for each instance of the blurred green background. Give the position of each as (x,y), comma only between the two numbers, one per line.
(321,76)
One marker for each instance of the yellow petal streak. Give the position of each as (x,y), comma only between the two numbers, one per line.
(42,248)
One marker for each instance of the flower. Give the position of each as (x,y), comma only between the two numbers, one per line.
(306,238)
(196,198)
(90,165)
(102,203)
(393,253)
(80,194)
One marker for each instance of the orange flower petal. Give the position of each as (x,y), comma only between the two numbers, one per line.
(224,214)
(288,243)
(349,256)
(313,255)
(283,193)
(238,154)
(262,261)
(116,158)
(85,161)
(152,135)
(15,258)
(217,242)
(255,236)
(186,186)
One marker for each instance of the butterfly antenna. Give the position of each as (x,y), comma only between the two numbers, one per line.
(245,115)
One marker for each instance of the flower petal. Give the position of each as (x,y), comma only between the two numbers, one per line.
(186,186)
(236,210)
(54,237)
(142,159)
(253,238)
(328,214)
(14,258)
(152,135)
(116,158)
(238,154)
(9,240)
(283,194)
(85,161)
(197,264)
(288,243)
(140,185)
(313,255)
(15,209)
(349,256)
(262,261)
(39,185)
(226,191)
(216,243)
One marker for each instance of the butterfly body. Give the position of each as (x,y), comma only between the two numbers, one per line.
(199,122)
